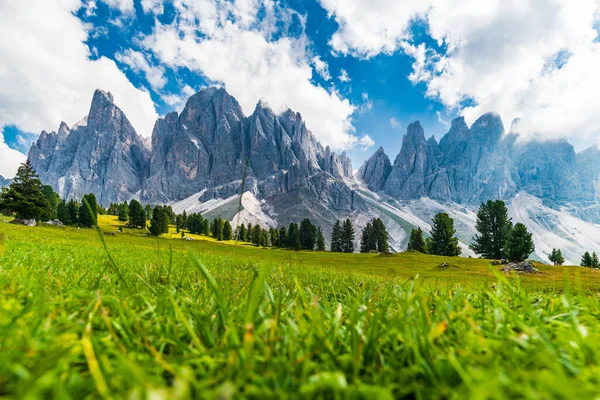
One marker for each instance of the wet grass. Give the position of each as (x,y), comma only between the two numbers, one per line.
(168,318)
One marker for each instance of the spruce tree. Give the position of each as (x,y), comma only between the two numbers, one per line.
(73,212)
(137,215)
(283,237)
(274,237)
(336,237)
(24,195)
(494,226)
(293,237)
(586,260)
(320,240)
(367,239)
(381,235)
(62,213)
(227,231)
(256,233)
(595,262)
(442,241)
(88,212)
(159,223)
(417,241)
(123,212)
(53,199)
(308,234)
(519,244)
(556,257)
(347,236)
(241,233)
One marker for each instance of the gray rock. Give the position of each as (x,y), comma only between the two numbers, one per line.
(55,222)
(523,267)
(375,171)
(26,222)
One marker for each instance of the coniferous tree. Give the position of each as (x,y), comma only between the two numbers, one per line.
(184,217)
(62,212)
(347,236)
(274,237)
(336,237)
(586,260)
(249,233)
(417,241)
(24,195)
(123,212)
(494,226)
(381,235)
(217,229)
(227,231)
(308,235)
(205,227)
(367,239)
(293,237)
(256,232)
(264,238)
(556,257)
(519,244)
(442,241)
(137,215)
(73,212)
(159,223)
(148,210)
(283,237)
(241,233)
(595,262)
(320,240)
(88,212)
(53,199)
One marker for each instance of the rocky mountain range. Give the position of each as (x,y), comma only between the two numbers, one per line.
(196,160)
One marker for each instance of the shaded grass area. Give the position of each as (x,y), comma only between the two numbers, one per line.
(178,319)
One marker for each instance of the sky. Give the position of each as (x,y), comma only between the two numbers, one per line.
(359,71)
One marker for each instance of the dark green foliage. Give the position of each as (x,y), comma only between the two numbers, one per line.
(293,241)
(137,214)
(123,212)
(416,242)
(227,231)
(519,244)
(442,241)
(24,195)
(241,233)
(195,224)
(308,234)
(347,238)
(256,235)
(264,238)
(595,262)
(62,213)
(88,212)
(205,227)
(556,257)
(274,237)
(217,228)
(113,209)
(586,260)
(159,223)
(336,237)
(320,240)
(52,198)
(148,210)
(283,237)
(374,237)
(494,226)
(73,208)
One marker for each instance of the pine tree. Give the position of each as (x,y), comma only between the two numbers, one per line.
(217,229)
(249,233)
(62,213)
(227,231)
(381,235)
(320,240)
(73,212)
(88,212)
(205,227)
(293,237)
(274,237)
(368,241)
(417,241)
(148,210)
(336,237)
(123,212)
(241,233)
(586,260)
(137,215)
(519,244)
(308,235)
(595,262)
(159,223)
(256,232)
(24,195)
(442,241)
(53,199)
(347,236)
(283,237)
(494,226)
(556,257)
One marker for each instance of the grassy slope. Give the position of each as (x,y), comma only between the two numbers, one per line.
(73,324)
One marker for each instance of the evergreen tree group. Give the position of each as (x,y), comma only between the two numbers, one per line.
(556,257)
(590,261)
(24,196)
(342,237)
(374,237)
(159,223)
(417,242)
(442,241)
(519,244)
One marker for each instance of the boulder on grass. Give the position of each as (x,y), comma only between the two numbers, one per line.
(55,222)
(24,221)
(523,267)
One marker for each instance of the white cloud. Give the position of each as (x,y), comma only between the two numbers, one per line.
(394,122)
(137,62)
(367,104)
(152,6)
(365,142)
(322,68)
(46,75)
(237,50)
(177,101)
(9,160)
(124,6)
(535,59)
(344,76)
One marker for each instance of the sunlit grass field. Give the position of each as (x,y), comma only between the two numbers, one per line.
(143,317)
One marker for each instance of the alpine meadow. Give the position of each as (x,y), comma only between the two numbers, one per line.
(318,199)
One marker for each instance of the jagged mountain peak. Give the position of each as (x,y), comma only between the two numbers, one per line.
(102,97)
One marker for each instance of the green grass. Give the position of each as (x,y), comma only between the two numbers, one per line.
(168,318)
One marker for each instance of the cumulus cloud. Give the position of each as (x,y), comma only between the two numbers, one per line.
(124,6)
(344,76)
(138,62)
(46,75)
(535,59)
(322,68)
(9,160)
(239,51)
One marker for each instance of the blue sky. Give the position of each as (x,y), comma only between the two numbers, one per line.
(359,72)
